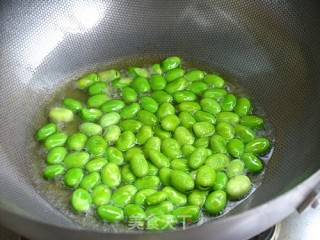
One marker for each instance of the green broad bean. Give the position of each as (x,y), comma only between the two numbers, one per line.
(158,159)
(228,103)
(187,214)
(112,133)
(90,129)
(257,146)
(53,171)
(181,181)
(114,155)
(165,176)
(140,198)
(77,141)
(96,164)
(152,143)
(225,130)
(96,145)
(252,162)
(235,168)
(210,105)
(202,142)
(184,96)
(121,83)
(214,93)
(197,87)
(162,134)
(171,148)
(126,140)
(147,182)
(123,196)
(131,152)
(61,115)
(183,135)
(143,134)
(197,158)
(73,177)
(76,159)
(216,202)
(157,82)
(97,88)
(56,155)
(110,175)
(157,198)
(252,121)
(203,129)
(214,80)
(101,195)
(46,131)
(81,200)
(129,95)
(109,119)
(202,116)
(235,147)
(113,105)
(130,125)
(176,85)
(197,197)
(186,119)
(170,122)
(137,71)
(72,104)
(170,63)
(130,111)
(190,107)
(87,80)
(164,207)
(153,170)
(160,223)
(140,84)
(218,144)
(205,177)
(110,213)
(139,165)
(97,100)
(228,117)
(238,186)
(176,197)
(221,181)
(174,74)
(161,96)
(134,214)
(166,109)
(90,181)
(90,115)
(217,161)
(243,107)
(194,75)
(127,175)
(156,68)
(55,140)
(246,134)
(147,118)
(193,174)
(149,104)
(187,150)
(108,75)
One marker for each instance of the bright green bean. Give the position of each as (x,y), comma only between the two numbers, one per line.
(55,140)
(87,80)
(235,147)
(165,176)
(130,111)
(126,140)
(81,200)
(109,119)
(101,195)
(214,80)
(225,130)
(127,175)
(218,144)
(108,75)
(187,214)
(197,87)
(238,186)
(243,107)
(143,134)
(96,164)
(98,100)
(56,155)
(90,181)
(176,85)
(97,88)
(258,145)
(147,118)
(197,197)
(124,195)
(45,131)
(90,129)
(170,63)
(246,134)
(130,125)
(110,213)
(112,133)
(147,182)
(53,171)
(216,202)
(252,162)
(60,115)
(157,198)
(235,168)
(110,175)
(157,82)
(194,75)
(217,161)
(174,74)
(170,122)
(96,145)
(171,148)
(174,196)
(73,177)
(221,181)
(210,105)
(181,181)
(203,129)
(197,158)
(113,105)
(90,115)
(140,84)
(114,155)
(139,165)
(184,96)
(205,177)
(129,95)
(77,141)
(72,104)
(76,159)
(161,96)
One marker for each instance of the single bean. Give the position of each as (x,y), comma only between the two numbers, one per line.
(113,105)
(202,142)
(218,161)
(246,134)
(96,164)
(131,152)
(114,155)
(229,102)
(101,195)
(183,135)
(72,104)
(157,198)
(81,200)
(121,83)
(166,109)
(112,133)
(157,68)
(181,181)
(252,121)
(139,165)
(243,107)
(187,214)
(87,80)
(140,198)
(152,143)
(137,71)
(165,176)
(203,129)
(184,96)
(170,122)
(197,158)
(135,215)
(153,170)
(214,80)
(124,195)
(53,171)
(159,132)
(109,75)
(202,116)
(238,186)
(190,107)
(176,85)
(97,88)
(90,115)
(186,119)
(210,105)
(46,131)
(130,125)
(98,100)
(187,150)
(110,175)
(55,140)
(170,63)
(60,115)
(171,148)
(221,181)
(157,210)
(194,75)
(109,119)
(235,147)
(143,134)
(235,168)
(161,96)
(147,182)
(130,111)
(96,145)
(73,177)
(252,163)
(76,159)
(216,202)
(56,155)
(140,84)
(90,129)
(90,181)
(158,159)
(214,93)
(126,140)
(127,175)
(228,117)
(157,82)
(225,130)
(197,197)
(147,118)
(205,177)
(218,144)
(77,141)
(110,213)
(149,104)
(129,95)
(197,87)
(174,74)
(257,146)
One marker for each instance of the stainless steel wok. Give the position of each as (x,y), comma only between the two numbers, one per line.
(270,47)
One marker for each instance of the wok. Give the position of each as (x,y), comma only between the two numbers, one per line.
(269,47)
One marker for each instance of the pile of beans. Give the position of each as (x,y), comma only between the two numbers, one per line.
(173,144)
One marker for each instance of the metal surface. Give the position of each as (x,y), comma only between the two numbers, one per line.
(269,47)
